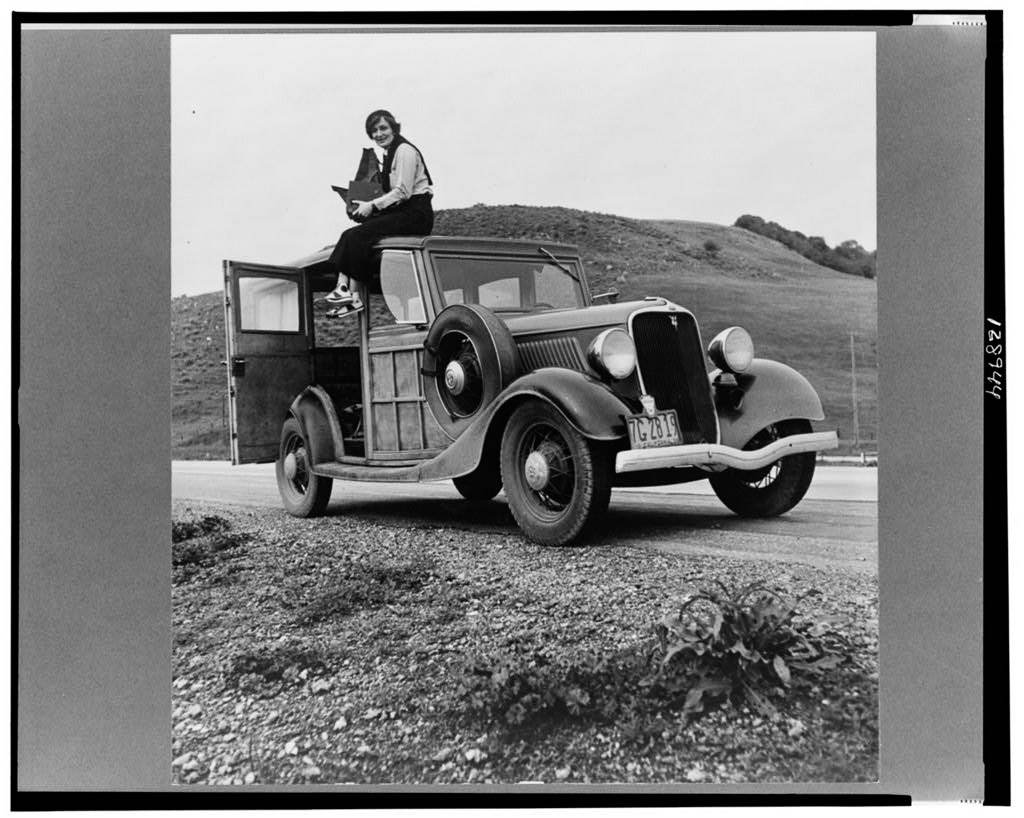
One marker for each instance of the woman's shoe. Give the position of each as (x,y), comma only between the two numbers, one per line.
(341,296)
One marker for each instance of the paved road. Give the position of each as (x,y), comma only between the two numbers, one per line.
(836,523)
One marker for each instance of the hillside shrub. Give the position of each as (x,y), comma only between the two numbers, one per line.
(848,257)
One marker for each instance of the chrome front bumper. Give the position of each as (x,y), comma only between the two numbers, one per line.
(714,454)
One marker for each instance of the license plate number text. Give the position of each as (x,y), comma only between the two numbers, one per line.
(649,431)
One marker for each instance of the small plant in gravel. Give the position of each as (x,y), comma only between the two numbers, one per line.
(743,646)
(268,668)
(182,530)
(747,645)
(364,586)
(198,544)
(203,551)
(520,689)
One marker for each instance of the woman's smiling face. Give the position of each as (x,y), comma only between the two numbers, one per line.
(382,133)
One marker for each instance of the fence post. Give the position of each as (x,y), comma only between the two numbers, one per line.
(853,394)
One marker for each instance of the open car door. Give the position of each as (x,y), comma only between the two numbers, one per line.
(266,322)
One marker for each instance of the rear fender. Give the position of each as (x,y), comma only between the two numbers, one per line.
(589,406)
(771,392)
(316,416)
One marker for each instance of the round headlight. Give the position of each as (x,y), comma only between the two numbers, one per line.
(732,349)
(613,352)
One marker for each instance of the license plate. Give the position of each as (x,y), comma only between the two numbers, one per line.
(649,431)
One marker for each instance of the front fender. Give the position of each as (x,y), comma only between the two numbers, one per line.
(771,392)
(318,420)
(588,405)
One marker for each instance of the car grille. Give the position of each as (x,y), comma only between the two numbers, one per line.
(671,364)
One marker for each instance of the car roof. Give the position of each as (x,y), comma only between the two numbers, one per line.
(454,244)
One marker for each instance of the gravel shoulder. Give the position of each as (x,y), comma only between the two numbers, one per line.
(333,650)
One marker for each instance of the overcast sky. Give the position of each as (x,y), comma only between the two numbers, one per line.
(701,126)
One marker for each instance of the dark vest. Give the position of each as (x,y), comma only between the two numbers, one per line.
(389,156)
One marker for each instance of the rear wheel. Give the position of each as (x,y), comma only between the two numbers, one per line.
(773,489)
(480,485)
(303,493)
(558,482)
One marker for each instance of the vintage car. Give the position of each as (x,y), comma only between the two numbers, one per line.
(489,363)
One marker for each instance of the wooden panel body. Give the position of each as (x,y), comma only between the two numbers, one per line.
(402,425)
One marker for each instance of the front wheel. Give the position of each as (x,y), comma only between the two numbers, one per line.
(303,493)
(773,489)
(558,482)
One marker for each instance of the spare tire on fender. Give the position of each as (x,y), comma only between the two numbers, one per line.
(469,358)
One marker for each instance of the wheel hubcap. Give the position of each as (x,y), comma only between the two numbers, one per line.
(455,377)
(294,463)
(460,380)
(537,470)
(548,470)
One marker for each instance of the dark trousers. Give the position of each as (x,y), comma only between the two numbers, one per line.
(351,256)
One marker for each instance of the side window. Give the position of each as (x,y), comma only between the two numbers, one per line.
(400,287)
(267,304)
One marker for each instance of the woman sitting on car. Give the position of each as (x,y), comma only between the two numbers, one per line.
(404,209)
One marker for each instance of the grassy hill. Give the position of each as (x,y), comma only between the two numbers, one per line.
(797,312)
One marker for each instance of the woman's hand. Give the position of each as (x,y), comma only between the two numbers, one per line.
(363,209)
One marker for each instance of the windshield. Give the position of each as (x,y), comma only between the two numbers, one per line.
(509,285)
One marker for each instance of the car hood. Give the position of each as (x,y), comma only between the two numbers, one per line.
(603,315)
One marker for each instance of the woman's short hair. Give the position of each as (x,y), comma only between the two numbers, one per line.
(387,116)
